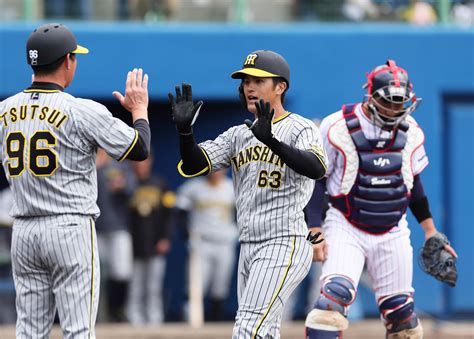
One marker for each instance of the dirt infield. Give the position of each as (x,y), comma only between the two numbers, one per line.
(370,329)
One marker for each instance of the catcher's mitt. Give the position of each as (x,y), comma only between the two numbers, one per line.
(438,262)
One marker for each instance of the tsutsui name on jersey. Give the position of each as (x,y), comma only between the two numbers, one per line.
(53,116)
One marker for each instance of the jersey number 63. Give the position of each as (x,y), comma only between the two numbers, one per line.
(272,179)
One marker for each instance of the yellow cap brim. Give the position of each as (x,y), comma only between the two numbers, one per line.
(80,50)
(253,72)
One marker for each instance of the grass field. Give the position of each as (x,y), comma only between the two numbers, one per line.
(369,329)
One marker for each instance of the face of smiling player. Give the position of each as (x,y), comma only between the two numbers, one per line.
(262,88)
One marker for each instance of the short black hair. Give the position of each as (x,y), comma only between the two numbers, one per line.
(276,81)
(52,67)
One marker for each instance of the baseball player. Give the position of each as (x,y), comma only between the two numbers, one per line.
(150,210)
(274,160)
(375,154)
(207,208)
(49,143)
(115,185)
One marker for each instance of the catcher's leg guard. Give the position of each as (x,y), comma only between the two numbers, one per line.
(328,318)
(397,312)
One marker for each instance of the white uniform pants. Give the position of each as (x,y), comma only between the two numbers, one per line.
(55,264)
(388,257)
(145,293)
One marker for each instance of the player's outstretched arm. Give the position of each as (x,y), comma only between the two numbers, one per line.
(136,94)
(136,102)
(184,114)
(303,162)
(184,111)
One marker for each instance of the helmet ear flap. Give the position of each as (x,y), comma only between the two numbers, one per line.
(243,101)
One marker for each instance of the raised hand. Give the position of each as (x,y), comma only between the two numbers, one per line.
(184,112)
(136,94)
(262,126)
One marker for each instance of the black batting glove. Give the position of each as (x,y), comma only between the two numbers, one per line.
(183,111)
(262,126)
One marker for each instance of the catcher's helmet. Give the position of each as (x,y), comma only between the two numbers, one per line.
(390,94)
(49,43)
(263,64)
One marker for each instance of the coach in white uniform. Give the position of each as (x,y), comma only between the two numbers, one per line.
(274,160)
(49,144)
(375,155)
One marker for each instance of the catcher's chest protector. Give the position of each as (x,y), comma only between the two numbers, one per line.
(379,196)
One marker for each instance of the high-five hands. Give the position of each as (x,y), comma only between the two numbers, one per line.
(262,126)
(184,112)
(136,94)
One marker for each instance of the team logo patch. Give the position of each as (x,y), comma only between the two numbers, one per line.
(381,162)
(33,54)
(250,60)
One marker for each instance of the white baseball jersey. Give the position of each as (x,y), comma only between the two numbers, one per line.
(49,143)
(211,208)
(388,256)
(270,197)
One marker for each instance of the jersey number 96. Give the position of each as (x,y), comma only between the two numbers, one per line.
(42,161)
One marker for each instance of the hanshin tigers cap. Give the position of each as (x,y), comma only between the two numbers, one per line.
(49,43)
(264,64)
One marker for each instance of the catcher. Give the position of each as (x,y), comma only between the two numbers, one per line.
(375,154)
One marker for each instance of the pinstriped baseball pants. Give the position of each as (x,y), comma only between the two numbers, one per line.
(55,265)
(269,272)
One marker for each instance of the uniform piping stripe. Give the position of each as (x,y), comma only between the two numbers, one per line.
(92,279)
(275,296)
(130,148)
(207,168)
(321,159)
(281,117)
(41,91)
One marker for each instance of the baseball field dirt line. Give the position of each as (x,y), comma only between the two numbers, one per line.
(369,329)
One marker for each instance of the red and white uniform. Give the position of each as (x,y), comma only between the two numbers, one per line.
(388,256)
